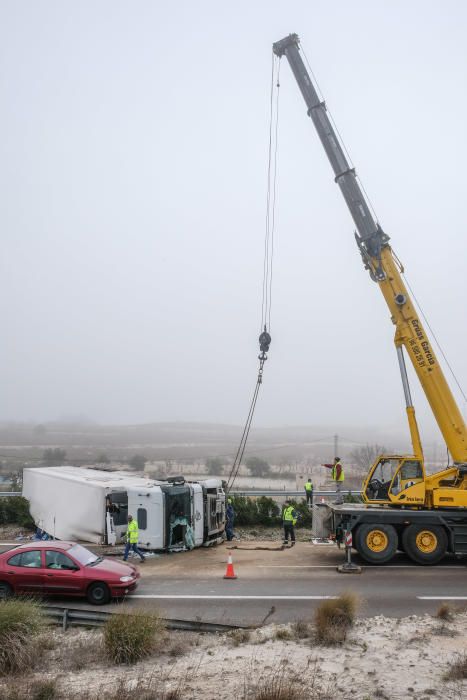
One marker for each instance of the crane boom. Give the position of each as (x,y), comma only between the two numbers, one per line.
(385,269)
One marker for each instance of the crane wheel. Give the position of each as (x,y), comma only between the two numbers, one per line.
(425,544)
(376,544)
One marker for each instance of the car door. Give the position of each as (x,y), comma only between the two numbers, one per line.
(63,575)
(25,571)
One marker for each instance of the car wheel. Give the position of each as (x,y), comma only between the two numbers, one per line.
(6,590)
(98,594)
(425,544)
(376,544)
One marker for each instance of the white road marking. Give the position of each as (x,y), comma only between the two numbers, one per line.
(442,597)
(369,567)
(237,597)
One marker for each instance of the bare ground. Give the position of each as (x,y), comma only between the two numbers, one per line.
(381,658)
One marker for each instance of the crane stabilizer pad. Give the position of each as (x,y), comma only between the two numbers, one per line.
(349,568)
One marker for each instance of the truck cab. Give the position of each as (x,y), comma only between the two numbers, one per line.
(395,479)
(174,515)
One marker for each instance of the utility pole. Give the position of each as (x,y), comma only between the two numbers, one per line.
(336,445)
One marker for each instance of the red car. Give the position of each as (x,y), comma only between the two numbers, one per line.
(64,568)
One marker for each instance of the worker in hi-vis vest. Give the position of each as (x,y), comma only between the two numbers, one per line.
(337,475)
(309,492)
(132,534)
(289,520)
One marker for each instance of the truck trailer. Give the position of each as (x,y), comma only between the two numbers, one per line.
(90,505)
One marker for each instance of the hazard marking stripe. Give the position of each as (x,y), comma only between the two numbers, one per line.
(237,597)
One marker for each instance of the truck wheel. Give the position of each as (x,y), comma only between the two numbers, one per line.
(6,590)
(98,594)
(377,544)
(425,544)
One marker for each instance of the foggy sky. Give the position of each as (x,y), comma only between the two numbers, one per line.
(133,154)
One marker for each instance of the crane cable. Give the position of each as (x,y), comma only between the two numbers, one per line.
(265,337)
(459,385)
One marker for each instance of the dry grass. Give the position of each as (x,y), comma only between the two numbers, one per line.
(240,636)
(334,618)
(84,654)
(300,629)
(180,644)
(21,620)
(19,688)
(282,634)
(445,612)
(457,669)
(130,637)
(278,685)
(44,690)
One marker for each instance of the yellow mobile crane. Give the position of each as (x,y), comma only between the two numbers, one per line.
(425,516)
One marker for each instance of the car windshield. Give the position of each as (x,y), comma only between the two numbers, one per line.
(83,555)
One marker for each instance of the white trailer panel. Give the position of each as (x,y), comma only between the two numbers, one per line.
(69,503)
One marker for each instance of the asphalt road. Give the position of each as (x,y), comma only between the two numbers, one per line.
(286,586)
(283,586)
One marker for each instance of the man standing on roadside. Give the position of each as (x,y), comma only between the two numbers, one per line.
(132,534)
(337,475)
(309,492)
(229,520)
(289,520)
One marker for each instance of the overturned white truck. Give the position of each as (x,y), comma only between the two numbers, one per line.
(90,505)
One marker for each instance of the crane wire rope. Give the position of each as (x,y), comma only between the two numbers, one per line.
(435,339)
(264,338)
(464,396)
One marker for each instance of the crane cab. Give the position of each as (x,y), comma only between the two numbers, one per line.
(395,480)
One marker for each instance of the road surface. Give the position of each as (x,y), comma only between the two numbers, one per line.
(280,586)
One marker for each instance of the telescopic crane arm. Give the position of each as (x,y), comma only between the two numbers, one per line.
(385,269)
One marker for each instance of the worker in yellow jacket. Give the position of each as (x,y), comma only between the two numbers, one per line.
(337,475)
(289,520)
(132,534)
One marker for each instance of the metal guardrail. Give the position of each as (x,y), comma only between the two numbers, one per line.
(287,492)
(96,618)
(247,492)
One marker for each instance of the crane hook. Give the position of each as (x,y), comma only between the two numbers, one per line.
(264,343)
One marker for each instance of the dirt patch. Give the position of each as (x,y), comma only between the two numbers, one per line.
(380,658)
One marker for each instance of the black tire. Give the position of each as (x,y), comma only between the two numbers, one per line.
(376,544)
(425,544)
(6,590)
(98,593)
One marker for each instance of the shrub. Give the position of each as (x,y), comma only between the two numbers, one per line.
(279,685)
(258,466)
(457,669)
(300,629)
(333,618)
(20,622)
(268,511)
(44,690)
(129,637)
(15,510)
(282,633)
(305,518)
(239,636)
(445,612)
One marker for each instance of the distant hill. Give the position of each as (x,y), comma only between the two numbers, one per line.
(187,441)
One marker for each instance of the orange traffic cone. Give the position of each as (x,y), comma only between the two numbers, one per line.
(230,570)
